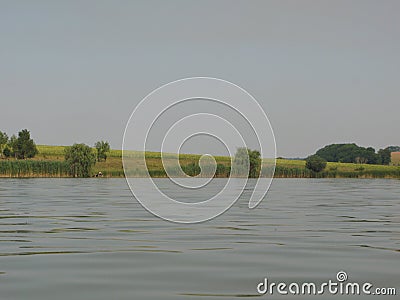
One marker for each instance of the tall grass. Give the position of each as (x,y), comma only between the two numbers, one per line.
(33,168)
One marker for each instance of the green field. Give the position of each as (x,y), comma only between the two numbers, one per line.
(50,163)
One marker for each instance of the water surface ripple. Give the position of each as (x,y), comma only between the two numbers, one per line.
(89,239)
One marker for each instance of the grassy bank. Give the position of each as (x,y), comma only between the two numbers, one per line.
(50,163)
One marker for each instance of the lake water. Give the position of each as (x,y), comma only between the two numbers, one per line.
(89,239)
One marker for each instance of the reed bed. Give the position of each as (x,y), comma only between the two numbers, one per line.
(33,168)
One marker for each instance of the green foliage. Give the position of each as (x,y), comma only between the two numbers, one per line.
(351,153)
(348,153)
(241,162)
(315,163)
(222,170)
(80,159)
(7,152)
(255,163)
(247,163)
(384,156)
(49,163)
(102,148)
(23,146)
(3,141)
(393,149)
(12,144)
(192,169)
(20,147)
(33,168)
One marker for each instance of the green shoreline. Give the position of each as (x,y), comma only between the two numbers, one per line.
(49,163)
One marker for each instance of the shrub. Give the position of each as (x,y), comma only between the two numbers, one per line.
(315,163)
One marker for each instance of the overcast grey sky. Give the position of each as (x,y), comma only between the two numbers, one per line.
(324,71)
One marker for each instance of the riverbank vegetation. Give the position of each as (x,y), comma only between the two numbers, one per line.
(50,162)
(21,157)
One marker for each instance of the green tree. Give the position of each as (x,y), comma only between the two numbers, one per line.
(12,144)
(315,163)
(24,146)
(80,159)
(384,156)
(7,152)
(3,141)
(255,163)
(247,162)
(102,148)
(393,149)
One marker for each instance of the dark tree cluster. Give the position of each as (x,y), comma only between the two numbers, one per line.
(20,147)
(352,153)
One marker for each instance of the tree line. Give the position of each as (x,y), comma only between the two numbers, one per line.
(349,153)
(352,153)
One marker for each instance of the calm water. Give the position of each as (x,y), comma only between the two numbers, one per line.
(88,239)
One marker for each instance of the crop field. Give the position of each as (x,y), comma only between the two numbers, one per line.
(395,158)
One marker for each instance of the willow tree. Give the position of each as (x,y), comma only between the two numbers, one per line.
(80,159)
